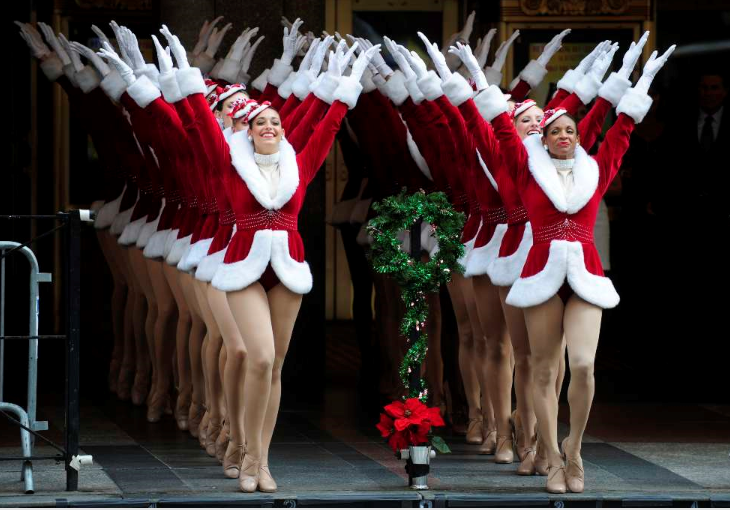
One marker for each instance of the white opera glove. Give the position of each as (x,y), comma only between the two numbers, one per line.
(651,68)
(439,61)
(131,46)
(34,41)
(309,55)
(101,35)
(292,41)
(602,63)
(470,62)
(590,84)
(362,61)
(54,43)
(248,57)
(403,64)
(377,59)
(463,37)
(415,61)
(242,44)
(122,53)
(108,53)
(215,40)
(204,34)
(483,46)
(333,66)
(346,57)
(584,66)
(632,56)
(164,59)
(92,57)
(177,49)
(552,48)
(500,56)
(73,55)
(318,58)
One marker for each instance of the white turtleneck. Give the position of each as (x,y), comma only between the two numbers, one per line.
(565,172)
(269,167)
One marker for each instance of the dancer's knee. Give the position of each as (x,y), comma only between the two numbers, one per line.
(544,374)
(581,370)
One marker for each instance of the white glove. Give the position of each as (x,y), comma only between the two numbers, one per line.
(439,61)
(164,60)
(204,34)
(500,56)
(215,40)
(108,53)
(377,59)
(242,45)
(470,62)
(307,60)
(318,57)
(346,58)
(552,48)
(131,48)
(415,61)
(293,42)
(399,59)
(117,33)
(362,61)
(651,68)
(101,35)
(483,46)
(632,56)
(54,43)
(603,62)
(92,57)
(333,66)
(34,41)
(463,37)
(248,56)
(177,49)
(588,60)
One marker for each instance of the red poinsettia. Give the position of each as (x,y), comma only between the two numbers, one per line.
(408,423)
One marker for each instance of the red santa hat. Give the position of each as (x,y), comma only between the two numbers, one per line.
(210,86)
(521,107)
(551,115)
(250,109)
(229,90)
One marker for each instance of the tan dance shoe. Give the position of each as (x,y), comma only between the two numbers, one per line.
(232,460)
(574,473)
(527,456)
(266,481)
(203,428)
(195,416)
(182,410)
(475,430)
(248,479)
(221,444)
(541,462)
(489,445)
(556,480)
(504,453)
(140,388)
(156,407)
(214,430)
(124,383)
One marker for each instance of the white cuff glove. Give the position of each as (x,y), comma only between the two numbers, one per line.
(472,65)
(552,48)
(632,56)
(439,61)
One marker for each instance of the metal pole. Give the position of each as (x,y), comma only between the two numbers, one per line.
(415,375)
(73,318)
(2,325)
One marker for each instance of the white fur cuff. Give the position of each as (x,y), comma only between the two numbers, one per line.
(457,90)
(87,79)
(260,82)
(204,62)
(285,89)
(190,82)
(430,85)
(169,87)
(143,91)
(325,87)
(494,77)
(614,88)
(533,73)
(70,73)
(243,77)
(155,247)
(178,249)
(300,86)
(150,71)
(228,71)
(491,102)
(348,91)
(52,67)
(368,85)
(413,91)
(569,80)
(279,72)
(635,104)
(394,88)
(113,85)
(587,88)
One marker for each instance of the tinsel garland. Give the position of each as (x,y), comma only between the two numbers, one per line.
(415,278)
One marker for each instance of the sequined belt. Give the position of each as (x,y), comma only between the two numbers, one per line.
(267,218)
(173,197)
(159,192)
(565,230)
(209,206)
(518,215)
(494,216)
(227,217)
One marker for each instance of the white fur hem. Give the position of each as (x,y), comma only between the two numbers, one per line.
(348,91)
(413,90)
(195,254)
(468,248)
(131,232)
(533,74)
(569,80)
(614,88)
(169,87)
(457,90)
(491,102)
(113,85)
(279,72)
(635,104)
(204,62)
(228,70)
(105,215)
(587,88)
(285,89)
(146,234)
(190,81)
(52,67)
(300,86)
(269,246)
(169,241)
(260,82)
(564,261)
(395,88)
(504,271)
(120,221)
(156,245)
(430,85)
(209,265)
(143,91)
(479,259)
(178,249)
(87,79)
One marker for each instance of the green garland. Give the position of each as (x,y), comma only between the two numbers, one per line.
(416,278)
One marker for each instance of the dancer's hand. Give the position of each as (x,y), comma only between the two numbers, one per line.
(129,42)
(54,43)
(632,56)
(163,56)
(415,61)
(204,35)
(403,64)
(319,55)
(652,67)
(362,61)
(500,55)
(108,53)
(292,41)
(552,48)
(470,62)
(248,56)
(101,35)
(117,34)
(584,66)
(176,48)
(483,46)
(603,62)
(215,40)
(34,41)
(92,57)
(439,61)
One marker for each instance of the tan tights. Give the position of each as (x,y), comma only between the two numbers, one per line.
(146,351)
(266,321)
(581,323)
(182,333)
(196,337)
(164,327)
(211,355)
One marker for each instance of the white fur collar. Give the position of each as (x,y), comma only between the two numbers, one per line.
(585,176)
(243,161)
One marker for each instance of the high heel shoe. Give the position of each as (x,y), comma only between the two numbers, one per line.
(475,430)
(221,444)
(248,479)
(266,481)
(214,430)
(527,457)
(232,460)
(504,453)
(574,473)
(182,410)
(195,416)
(556,480)
(541,462)
(489,445)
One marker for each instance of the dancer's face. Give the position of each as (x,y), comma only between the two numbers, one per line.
(561,137)
(226,108)
(240,124)
(528,122)
(266,131)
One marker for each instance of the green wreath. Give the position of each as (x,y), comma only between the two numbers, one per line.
(416,278)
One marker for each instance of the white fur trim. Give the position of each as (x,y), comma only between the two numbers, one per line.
(120,221)
(228,70)
(260,82)
(130,234)
(143,91)
(394,88)
(243,161)
(430,85)
(514,83)
(178,249)
(457,90)
(243,77)
(150,71)
(204,62)
(296,276)
(494,77)
(146,233)
(208,265)
(504,271)
(285,89)
(468,248)
(564,261)
(413,90)
(52,67)
(491,102)
(155,247)
(587,88)
(169,87)
(169,241)
(195,254)
(190,81)
(569,80)
(487,172)
(585,176)
(279,72)
(113,85)
(105,215)
(614,88)
(635,104)
(88,79)
(324,88)
(348,91)
(70,73)
(214,71)
(416,153)
(479,259)
(300,86)
(533,74)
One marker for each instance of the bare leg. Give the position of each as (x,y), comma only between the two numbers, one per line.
(146,352)
(134,330)
(561,370)
(195,340)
